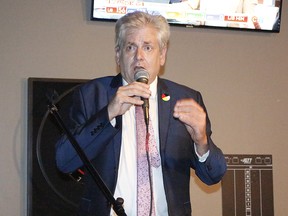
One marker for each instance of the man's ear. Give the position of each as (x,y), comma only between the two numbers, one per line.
(163,55)
(117,55)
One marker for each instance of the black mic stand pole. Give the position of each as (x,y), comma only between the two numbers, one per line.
(117,204)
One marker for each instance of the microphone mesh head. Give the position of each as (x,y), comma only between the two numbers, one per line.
(141,74)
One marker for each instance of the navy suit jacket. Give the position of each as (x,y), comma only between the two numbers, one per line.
(102,142)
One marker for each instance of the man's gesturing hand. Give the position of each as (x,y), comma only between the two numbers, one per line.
(193,116)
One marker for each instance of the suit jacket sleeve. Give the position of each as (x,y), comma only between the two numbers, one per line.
(177,145)
(92,130)
(212,170)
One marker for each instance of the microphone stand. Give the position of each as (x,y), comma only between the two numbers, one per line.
(117,204)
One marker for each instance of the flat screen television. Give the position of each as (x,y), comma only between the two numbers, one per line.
(260,15)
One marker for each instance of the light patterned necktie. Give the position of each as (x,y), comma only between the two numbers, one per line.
(145,143)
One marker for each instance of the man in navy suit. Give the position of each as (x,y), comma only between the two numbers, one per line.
(104,116)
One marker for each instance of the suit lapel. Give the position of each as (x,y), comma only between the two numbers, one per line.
(164,113)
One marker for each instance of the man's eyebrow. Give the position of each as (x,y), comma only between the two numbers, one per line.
(147,42)
(134,44)
(130,43)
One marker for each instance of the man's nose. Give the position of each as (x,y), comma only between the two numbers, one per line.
(139,54)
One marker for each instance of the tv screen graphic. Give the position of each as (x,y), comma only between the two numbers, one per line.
(260,15)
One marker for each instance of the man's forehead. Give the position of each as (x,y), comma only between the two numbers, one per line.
(140,37)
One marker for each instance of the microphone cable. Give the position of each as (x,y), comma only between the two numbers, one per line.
(149,169)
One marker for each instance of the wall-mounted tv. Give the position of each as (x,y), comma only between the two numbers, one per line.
(260,15)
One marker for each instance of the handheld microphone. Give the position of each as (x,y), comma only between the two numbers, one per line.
(143,76)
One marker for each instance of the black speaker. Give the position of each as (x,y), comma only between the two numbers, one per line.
(50,192)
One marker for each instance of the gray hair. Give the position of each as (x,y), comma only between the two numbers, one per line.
(137,20)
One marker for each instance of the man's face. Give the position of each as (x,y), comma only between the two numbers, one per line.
(140,50)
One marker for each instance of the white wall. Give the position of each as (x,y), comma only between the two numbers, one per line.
(242,75)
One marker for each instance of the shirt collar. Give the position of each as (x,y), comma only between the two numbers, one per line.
(153,88)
